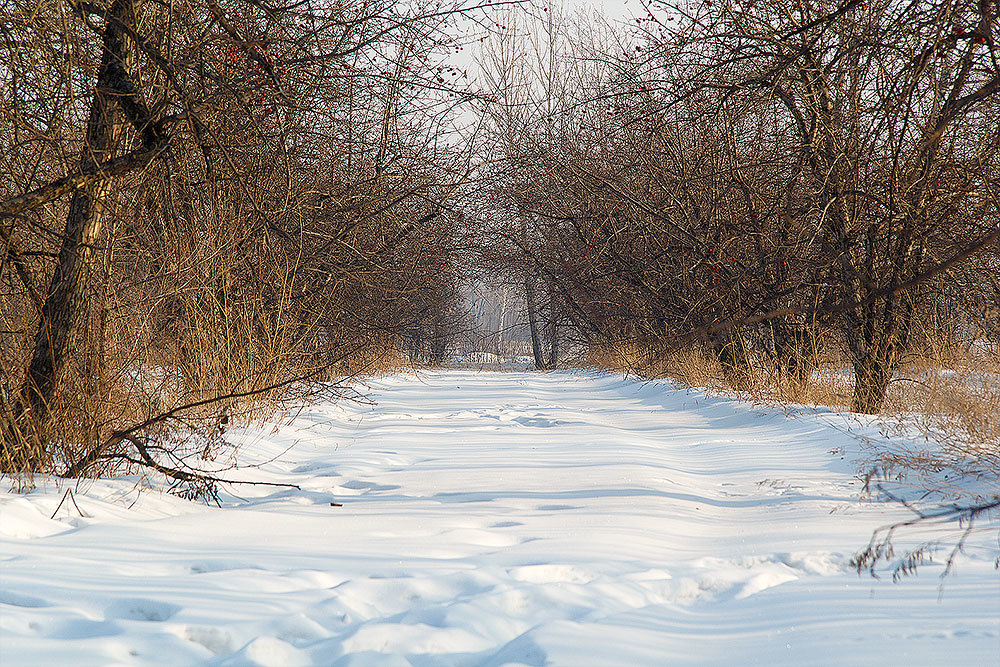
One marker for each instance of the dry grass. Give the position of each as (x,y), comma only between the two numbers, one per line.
(955,402)
(179,394)
(690,365)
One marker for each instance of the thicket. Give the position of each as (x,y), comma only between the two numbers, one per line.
(210,208)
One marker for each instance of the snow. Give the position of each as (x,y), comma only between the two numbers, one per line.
(493,519)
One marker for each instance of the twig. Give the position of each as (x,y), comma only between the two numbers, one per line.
(69,493)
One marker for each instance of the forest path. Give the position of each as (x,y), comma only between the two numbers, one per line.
(569,518)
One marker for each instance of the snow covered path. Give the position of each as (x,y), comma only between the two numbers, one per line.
(488,519)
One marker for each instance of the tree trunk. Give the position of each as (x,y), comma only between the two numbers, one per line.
(553,344)
(536,343)
(794,350)
(871,383)
(64,306)
(734,358)
(438,344)
(875,337)
(552,334)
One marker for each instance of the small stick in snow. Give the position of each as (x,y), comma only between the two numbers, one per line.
(69,492)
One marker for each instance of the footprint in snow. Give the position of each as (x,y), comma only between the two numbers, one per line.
(538,422)
(358,485)
(208,566)
(312,466)
(139,609)
(215,640)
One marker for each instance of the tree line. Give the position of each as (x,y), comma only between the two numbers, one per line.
(761,180)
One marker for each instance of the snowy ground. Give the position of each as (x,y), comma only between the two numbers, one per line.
(491,519)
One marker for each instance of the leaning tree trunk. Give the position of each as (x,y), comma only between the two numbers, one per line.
(61,313)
